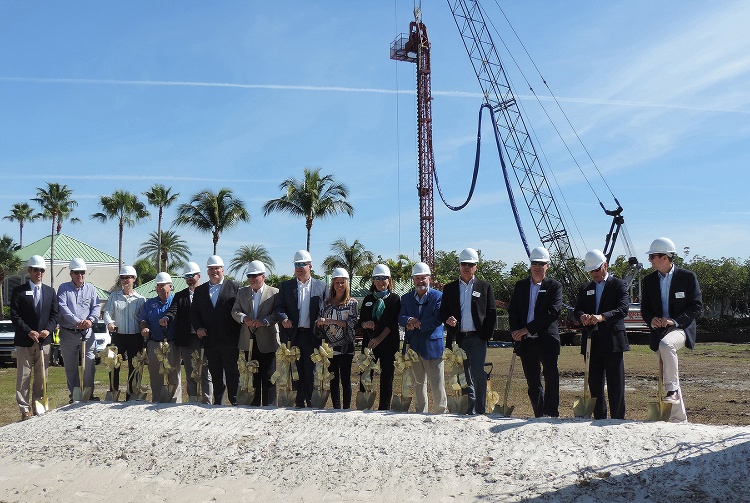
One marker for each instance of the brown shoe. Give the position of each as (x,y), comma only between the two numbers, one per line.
(26,415)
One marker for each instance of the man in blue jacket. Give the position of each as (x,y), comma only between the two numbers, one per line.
(420,314)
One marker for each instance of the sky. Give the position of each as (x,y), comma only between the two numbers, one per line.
(105,96)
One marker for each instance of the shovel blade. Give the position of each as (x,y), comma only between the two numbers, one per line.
(453,404)
(192,399)
(87,392)
(166,395)
(503,410)
(583,407)
(361,401)
(370,399)
(319,399)
(112,396)
(39,407)
(396,403)
(77,394)
(245,397)
(659,411)
(405,403)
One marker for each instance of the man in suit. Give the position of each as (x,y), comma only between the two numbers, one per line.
(532,315)
(254,311)
(601,307)
(671,302)
(185,339)
(297,305)
(420,314)
(33,312)
(211,316)
(468,308)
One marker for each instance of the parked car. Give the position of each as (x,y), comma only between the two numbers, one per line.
(7,334)
(102,338)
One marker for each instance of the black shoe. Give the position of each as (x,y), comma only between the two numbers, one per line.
(94,399)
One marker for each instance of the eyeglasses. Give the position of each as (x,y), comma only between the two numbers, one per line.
(188,276)
(468,264)
(380,278)
(536,262)
(78,273)
(301,264)
(597,269)
(652,256)
(254,275)
(127,277)
(37,269)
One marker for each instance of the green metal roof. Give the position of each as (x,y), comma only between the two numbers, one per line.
(148,290)
(101,294)
(66,248)
(362,289)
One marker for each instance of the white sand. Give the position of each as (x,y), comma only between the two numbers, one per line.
(164,452)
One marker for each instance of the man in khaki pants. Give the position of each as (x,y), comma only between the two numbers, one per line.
(33,312)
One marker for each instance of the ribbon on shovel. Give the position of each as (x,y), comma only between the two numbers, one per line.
(286,372)
(162,354)
(454,365)
(403,376)
(367,366)
(195,358)
(110,358)
(247,369)
(322,358)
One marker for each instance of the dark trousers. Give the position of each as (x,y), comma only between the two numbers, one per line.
(265,391)
(225,375)
(128,345)
(341,368)
(476,352)
(545,400)
(611,365)
(305,367)
(387,369)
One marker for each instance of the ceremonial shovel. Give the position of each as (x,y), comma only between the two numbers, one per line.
(584,407)
(246,392)
(78,395)
(198,376)
(45,405)
(659,411)
(400,403)
(136,376)
(505,409)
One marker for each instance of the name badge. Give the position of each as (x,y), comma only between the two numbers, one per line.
(368,304)
(476,294)
(679,295)
(29,293)
(590,292)
(542,291)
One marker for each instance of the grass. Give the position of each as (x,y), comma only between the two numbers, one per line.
(715,383)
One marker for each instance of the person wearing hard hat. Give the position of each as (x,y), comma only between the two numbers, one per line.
(155,334)
(122,314)
(671,303)
(601,307)
(420,315)
(379,318)
(79,310)
(185,339)
(468,309)
(211,316)
(338,322)
(33,313)
(534,307)
(298,304)
(253,310)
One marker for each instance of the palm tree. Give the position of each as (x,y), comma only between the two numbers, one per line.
(160,197)
(56,204)
(313,197)
(21,213)
(354,258)
(64,215)
(126,209)
(172,251)
(400,268)
(248,253)
(214,213)
(9,262)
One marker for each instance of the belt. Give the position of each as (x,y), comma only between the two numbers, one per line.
(470,332)
(79,330)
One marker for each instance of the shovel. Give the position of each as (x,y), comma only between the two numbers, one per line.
(399,402)
(45,405)
(659,411)
(246,393)
(112,395)
(166,395)
(197,375)
(78,395)
(366,395)
(136,376)
(584,407)
(505,409)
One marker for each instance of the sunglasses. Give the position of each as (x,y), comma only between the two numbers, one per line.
(301,264)
(467,264)
(254,275)
(37,269)
(78,273)
(188,276)
(380,278)
(127,277)
(597,269)
(652,256)
(536,262)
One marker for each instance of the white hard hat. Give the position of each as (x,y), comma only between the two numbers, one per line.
(340,272)
(662,245)
(302,256)
(191,268)
(469,255)
(593,260)
(128,270)
(163,277)
(37,261)
(255,267)
(381,270)
(77,264)
(539,254)
(420,268)
(214,261)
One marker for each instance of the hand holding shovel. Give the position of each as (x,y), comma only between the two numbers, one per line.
(45,405)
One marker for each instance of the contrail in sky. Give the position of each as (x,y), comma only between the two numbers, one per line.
(366,90)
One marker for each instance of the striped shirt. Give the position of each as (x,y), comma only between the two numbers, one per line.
(125,311)
(77,304)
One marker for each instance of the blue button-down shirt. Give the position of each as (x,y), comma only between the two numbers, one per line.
(599,290)
(465,291)
(154,310)
(665,283)
(77,304)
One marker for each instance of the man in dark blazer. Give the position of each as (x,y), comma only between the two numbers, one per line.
(297,305)
(185,338)
(254,311)
(211,316)
(601,307)
(671,303)
(33,312)
(468,310)
(532,315)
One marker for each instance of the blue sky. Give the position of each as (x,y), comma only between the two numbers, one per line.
(104,96)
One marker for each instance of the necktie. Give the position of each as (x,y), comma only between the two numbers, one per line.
(256,301)
(37,299)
